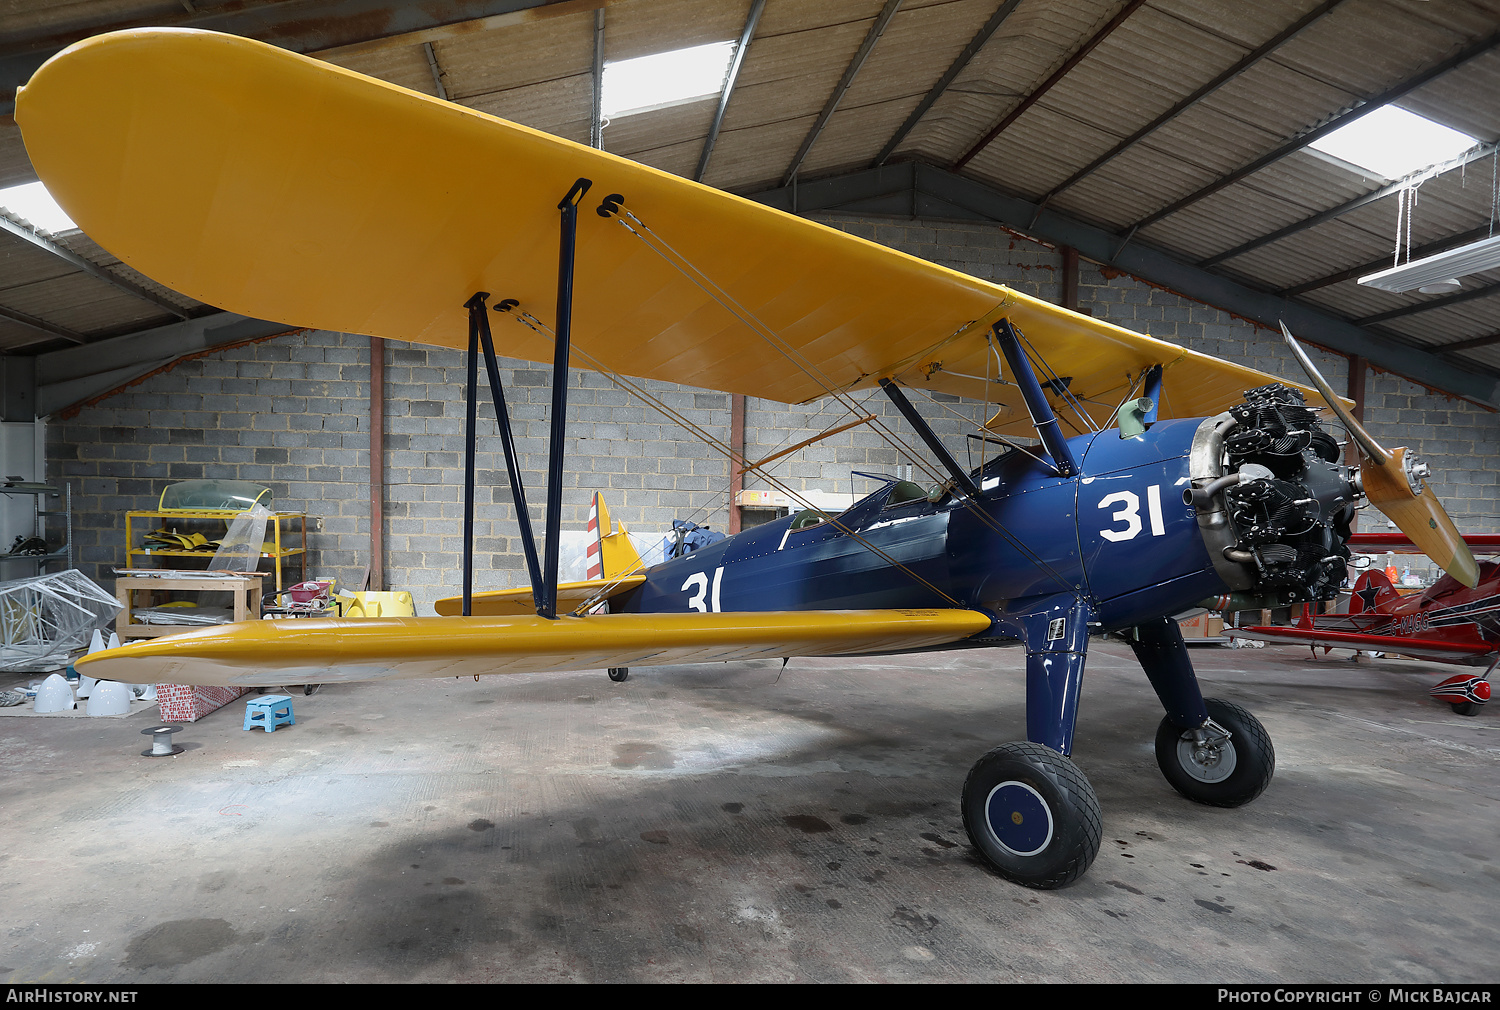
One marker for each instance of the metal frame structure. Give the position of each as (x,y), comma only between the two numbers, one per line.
(943,83)
(91,268)
(1349,206)
(1248,61)
(1043,418)
(340,29)
(924,431)
(306,27)
(1370,266)
(482,341)
(1456,298)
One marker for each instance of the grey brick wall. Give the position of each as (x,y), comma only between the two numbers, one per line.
(293,413)
(1459,440)
(290,413)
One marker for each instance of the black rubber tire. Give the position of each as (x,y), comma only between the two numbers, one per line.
(1467,707)
(1043,781)
(1249,745)
(619,674)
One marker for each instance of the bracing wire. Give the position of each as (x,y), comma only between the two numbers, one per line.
(1014,445)
(1064,393)
(705,284)
(713,290)
(733,456)
(683,265)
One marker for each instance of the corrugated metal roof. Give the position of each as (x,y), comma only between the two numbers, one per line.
(537,69)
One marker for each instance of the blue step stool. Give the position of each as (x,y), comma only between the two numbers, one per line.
(269,711)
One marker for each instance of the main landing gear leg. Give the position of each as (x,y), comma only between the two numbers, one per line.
(1211,751)
(1026,807)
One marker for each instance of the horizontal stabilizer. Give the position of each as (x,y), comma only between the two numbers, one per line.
(272,653)
(505,602)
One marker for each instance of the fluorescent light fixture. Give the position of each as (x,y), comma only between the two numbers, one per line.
(1435,269)
(1446,287)
(34,205)
(665,79)
(1394,143)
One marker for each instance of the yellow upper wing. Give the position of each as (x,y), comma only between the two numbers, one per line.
(282,187)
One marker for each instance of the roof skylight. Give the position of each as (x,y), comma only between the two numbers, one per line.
(665,79)
(33,204)
(1394,143)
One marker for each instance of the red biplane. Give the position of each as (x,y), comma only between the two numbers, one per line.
(1448,622)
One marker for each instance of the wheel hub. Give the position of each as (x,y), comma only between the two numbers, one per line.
(1206,753)
(1019,818)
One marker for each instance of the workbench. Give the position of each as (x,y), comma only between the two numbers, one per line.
(246,590)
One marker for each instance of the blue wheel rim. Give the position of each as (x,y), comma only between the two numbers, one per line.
(1018,818)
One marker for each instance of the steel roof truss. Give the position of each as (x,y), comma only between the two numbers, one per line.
(91,268)
(1338,121)
(729,81)
(871,37)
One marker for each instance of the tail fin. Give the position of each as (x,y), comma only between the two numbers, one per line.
(1373,593)
(595,550)
(610,552)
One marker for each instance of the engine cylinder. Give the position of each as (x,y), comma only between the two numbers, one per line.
(1274,501)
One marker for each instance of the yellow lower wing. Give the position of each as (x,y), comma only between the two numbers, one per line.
(285,188)
(271,653)
(502,602)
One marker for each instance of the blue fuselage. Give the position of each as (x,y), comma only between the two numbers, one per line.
(1118,535)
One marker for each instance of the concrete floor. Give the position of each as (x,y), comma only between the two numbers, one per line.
(736,823)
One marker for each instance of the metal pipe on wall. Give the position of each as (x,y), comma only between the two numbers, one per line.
(737,460)
(1069,278)
(377,464)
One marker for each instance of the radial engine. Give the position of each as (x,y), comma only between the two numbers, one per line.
(1274,500)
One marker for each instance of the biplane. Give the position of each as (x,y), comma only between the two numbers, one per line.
(1448,622)
(281,187)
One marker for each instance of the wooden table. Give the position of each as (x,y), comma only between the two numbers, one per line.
(246,590)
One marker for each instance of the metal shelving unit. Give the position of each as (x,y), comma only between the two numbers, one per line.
(285,526)
(61,553)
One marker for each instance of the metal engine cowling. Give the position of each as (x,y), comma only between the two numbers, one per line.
(1274,501)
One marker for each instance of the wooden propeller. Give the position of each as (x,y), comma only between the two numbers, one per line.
(1395,482)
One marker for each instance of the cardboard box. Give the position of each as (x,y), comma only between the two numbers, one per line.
(1205,625)
(180,703)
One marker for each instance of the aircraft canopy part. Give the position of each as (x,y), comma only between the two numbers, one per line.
(281,187)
